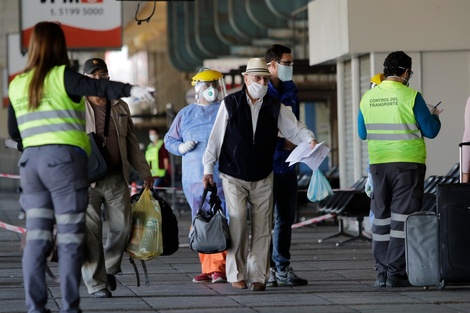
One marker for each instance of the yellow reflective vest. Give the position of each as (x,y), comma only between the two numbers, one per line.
(392,131)
(151,154)
(57,120)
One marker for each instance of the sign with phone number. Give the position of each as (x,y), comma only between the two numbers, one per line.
(77,11)
(87,24)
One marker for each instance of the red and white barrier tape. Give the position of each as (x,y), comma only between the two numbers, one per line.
(16,229)
(10,176)
(313,220)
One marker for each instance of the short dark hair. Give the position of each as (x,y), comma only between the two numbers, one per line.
(396,63)
(275,53)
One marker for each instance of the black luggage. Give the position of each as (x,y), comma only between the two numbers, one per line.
(453,203)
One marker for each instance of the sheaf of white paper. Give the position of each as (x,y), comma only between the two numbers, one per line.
(311,157)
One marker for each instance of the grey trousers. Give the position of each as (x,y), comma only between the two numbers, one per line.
(112,194)
(55,186)
(398,192)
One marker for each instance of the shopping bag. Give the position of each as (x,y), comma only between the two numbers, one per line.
(146,242)
(319,187)
(210,232)
(170,231)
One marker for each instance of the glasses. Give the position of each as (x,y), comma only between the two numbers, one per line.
(102,75)
(409,70)
(286,63)
(260,78)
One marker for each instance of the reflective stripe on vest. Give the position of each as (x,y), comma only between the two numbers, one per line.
(57,120)
(412,130)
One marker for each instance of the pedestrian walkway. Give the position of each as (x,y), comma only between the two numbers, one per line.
(341,279)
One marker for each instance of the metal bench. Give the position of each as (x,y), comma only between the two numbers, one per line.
(345,203)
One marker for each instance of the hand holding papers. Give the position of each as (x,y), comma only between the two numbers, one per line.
(311,157)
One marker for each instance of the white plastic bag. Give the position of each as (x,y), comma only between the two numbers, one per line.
(319,187)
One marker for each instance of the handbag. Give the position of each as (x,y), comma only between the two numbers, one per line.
(210,231)
(97,161)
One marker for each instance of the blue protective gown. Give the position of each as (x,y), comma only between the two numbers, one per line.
(194,122)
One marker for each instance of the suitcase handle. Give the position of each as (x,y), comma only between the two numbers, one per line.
(467,143)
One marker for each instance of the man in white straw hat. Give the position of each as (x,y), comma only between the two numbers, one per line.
(245,156)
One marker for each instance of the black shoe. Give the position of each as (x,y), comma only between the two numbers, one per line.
(398,281)
(112,285)
(103,293)
(381,280)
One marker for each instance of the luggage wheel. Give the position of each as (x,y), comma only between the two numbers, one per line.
(441,285)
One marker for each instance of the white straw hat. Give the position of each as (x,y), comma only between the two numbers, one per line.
(257,66)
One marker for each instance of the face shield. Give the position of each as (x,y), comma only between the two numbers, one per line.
(210,91)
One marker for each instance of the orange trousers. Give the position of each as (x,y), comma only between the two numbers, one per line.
(213,262)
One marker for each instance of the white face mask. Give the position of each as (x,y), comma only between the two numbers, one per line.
(153,138)
(285,72)
(257,91)
(210,94)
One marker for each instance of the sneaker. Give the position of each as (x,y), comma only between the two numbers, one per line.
(398,281)
(381,280)
(218,277)
(272,278)
(287,277)
(103,293)
(202,278)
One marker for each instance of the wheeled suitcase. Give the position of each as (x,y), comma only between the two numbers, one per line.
(422,249)
(453,212)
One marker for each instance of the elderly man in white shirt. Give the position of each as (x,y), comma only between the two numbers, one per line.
(245,156)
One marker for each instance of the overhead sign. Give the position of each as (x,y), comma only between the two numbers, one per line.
(87,24)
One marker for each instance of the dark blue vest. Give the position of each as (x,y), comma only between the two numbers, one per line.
(244,155)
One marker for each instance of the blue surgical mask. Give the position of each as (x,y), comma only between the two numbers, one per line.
(285,72)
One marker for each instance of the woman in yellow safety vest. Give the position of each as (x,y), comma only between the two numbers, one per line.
(47,114)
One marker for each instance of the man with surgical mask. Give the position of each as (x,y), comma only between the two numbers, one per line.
(187,137)
(280,64)
(395,120)
(243,141)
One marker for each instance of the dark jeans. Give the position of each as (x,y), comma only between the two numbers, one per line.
(285,205)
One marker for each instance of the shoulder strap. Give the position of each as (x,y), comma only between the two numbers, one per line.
(106,122)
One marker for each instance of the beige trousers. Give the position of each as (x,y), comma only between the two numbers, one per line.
(248,256)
